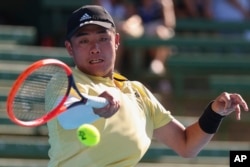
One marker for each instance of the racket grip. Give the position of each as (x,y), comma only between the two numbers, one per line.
(96,102)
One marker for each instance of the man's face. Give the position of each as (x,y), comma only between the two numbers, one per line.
(93,49)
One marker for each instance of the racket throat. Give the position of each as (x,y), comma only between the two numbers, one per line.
(81,102)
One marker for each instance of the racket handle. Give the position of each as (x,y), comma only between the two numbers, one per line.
(96,102)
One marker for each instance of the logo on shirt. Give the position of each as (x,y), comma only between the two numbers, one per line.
(137,95)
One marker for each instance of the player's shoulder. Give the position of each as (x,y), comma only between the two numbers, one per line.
(125,80)
(122,78)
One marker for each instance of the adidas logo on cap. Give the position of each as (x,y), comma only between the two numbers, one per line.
(85,17)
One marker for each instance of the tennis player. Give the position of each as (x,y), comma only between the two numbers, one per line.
(133,116)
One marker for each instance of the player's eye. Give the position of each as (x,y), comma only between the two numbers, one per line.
(83,41)
(104,39)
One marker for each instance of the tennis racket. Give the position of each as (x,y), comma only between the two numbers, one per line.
(42,92)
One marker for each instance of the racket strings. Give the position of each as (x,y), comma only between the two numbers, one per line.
(42,86)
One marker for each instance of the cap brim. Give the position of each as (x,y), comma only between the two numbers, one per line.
(100,23)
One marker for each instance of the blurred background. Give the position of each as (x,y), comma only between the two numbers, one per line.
(186,51)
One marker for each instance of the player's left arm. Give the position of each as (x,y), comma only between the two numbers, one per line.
(188,141)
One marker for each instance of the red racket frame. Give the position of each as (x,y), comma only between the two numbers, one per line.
(19,81)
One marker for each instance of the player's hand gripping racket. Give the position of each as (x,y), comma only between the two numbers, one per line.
(42,92)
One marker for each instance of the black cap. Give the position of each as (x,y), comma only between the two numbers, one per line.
(89,14)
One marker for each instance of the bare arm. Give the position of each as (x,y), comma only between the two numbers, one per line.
(168,13)
(189,141)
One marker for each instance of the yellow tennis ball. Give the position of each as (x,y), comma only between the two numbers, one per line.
(88,134)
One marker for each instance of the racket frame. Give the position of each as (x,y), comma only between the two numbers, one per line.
(57,110)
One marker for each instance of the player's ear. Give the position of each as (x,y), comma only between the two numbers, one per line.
(117,40)
(68,47)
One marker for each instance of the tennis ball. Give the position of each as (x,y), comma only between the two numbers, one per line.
(88,134)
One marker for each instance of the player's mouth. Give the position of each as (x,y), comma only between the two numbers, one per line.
(96,61)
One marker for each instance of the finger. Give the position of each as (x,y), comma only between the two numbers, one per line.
(239,100)
(99,111)
(109,113)
(225,98)
(238,112)
(109,97)
(110,110)
(114,108)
